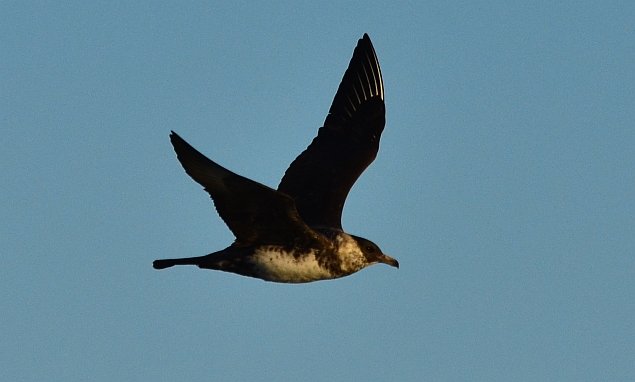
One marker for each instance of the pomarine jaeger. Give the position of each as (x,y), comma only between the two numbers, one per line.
(294,234)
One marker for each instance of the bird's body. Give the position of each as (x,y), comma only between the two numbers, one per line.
(294,234)
(339,257)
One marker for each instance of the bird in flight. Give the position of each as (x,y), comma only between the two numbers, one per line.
(294,234)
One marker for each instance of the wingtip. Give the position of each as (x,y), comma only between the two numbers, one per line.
(366,38)
(176,140)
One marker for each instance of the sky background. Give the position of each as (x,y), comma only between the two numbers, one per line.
(505,186)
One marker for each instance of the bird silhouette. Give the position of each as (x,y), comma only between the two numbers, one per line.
(294,234)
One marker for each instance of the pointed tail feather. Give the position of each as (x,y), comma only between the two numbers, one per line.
(167,263)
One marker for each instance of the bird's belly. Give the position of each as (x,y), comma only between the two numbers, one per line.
(274,264)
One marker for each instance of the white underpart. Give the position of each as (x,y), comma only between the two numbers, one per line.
(282,266)
(275,264)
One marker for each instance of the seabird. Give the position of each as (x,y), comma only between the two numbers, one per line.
(294,234)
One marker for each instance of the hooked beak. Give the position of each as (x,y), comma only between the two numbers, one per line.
(389,260)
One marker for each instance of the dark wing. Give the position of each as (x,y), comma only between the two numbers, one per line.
(253,212)
(321,177)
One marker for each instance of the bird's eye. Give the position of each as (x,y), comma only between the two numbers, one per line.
(369,248)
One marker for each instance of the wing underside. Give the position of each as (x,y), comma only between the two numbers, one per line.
(321,177)
(253,212)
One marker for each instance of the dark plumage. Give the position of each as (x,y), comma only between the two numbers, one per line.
(294,234)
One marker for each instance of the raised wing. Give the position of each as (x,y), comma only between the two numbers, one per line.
(320,178)
(253,212)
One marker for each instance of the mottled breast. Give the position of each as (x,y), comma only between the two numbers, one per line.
(274,263)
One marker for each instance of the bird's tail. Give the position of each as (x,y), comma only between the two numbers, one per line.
(167,263)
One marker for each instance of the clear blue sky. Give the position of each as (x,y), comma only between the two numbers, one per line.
(505,186)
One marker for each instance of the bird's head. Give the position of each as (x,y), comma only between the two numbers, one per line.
(373,254)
